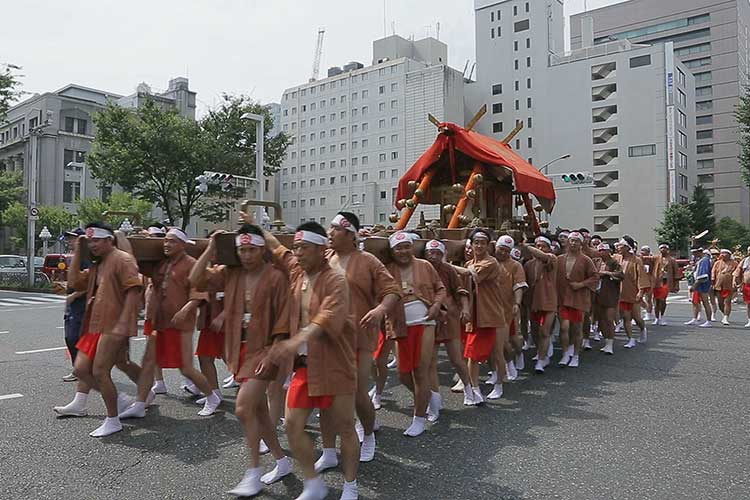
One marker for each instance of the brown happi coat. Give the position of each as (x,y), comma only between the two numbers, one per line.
(331,361)
(488,311)
(666,267)
(722,274)
(634,278)
(164,304)
(542,279)
(512,277)
(269,311)
(427,287)
(449,327)
(369,282)
(116,274)
(583,271)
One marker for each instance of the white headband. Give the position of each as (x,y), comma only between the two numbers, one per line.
(645,247)
(180,235)
(99,233)
(401,237)
(310,237)
(435,245)
(342,221)
(624,242)
(153,230)
(515,253)
(575,235)
(480,234)
(543,239)
(505,241)
(604,246)
(724,250)
(663,245)
(249,239)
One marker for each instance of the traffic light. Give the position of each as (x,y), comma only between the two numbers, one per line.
(576,178)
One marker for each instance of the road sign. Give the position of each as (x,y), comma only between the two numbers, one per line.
(33,213)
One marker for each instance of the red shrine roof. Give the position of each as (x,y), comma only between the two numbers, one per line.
(491,152)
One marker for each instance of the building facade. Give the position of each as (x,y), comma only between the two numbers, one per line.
(620,113)
(712,38)
(356,132)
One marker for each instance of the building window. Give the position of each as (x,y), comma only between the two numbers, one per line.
(515,46)
(528,62)
(394,155)
(528,43)
(682,160)
(71,191)
(497,127)
(517,105)
(394,121)
(497,107)
(704,91)
(703,77)
(492,32)
(705,148)
(637,62)
(704,106)
(381,106)
(383,195)
(521,26)
(647,150)
(381,175)
(706,179)
(516,85)
(528,83)
(698,63)
(527,6)
(76,125)
(497,89)
(492,16)
(693,49)
(682,118)
(515,10)
(528,102)
(382,157)
(294,203)
(681,98)
(530,142)
(528,122)
(394,173)
(682,139)
(381,89)
(332,180)
(515,64)
(683,182)
(705,164)
(704,134)
(518,144)
(704,120)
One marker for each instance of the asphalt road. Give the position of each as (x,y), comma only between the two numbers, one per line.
(663,421)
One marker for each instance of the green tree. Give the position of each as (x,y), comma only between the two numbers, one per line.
(675,227)
(701,214)
(11,190)
(742,114)
(91,209)
(156,154)
(9,87)
(731,233)
(56,219)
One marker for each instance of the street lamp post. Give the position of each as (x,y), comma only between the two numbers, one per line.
(543,168)
(259,163)
(45,236)
(32,213)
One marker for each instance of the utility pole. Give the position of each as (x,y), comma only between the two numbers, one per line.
(32,212)
(259,162)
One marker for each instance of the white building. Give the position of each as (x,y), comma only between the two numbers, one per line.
(625,115)
(356,132)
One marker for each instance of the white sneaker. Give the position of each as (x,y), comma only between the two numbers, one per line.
(416,428)
(227,378)
(725,321)
(713,316)
(70,377)
(539,367)
(520,362)
(597,337)
(250,484)
(657,322)
(644,336)
(747,325)
(434,406)
(707,324)
(550,349)
(124,401)
(230,382)
(159,387)
(646,316)
(376,401)
(497,392)
(619,327)
(492,380)
(469,398)
(459,387)
(510,370)
(631,343)
(392,363)
(525,346)
(691,322)
(564,360)
(573,361)
(350,491)
(283,468)
(609,347)
(367,449)
(662,321)
(587,344)
(360,430)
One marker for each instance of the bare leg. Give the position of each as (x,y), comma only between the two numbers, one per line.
(252,411)
(564,335)
(108,350)
(341,414)
(706,305)
(499,353)
(276,399)
(637,316)
(381,368)
(148,368)
(421,374)
(455,355)
(187,369)
(363,403)
(83,369)
(208,369)
(299,441)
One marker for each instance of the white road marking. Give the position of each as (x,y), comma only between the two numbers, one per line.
(28,308)
(49,349)
(5,332)
(11,396)
(51,298)
(60,327)
(15,302)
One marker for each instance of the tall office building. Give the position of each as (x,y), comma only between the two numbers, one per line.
(620,113)
(354,133)
(712,39)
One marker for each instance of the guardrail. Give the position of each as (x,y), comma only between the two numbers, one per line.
(20,279)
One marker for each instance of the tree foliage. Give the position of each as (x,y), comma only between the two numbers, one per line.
(57,220)
(702,216)
(156,154)
(11,190)
(731,234)
(675,228)
(9,87)
(91,209)
(742,114)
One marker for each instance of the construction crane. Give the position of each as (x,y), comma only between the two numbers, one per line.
(318,54)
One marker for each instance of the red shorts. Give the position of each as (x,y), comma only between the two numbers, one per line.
(298,396)
(87,344)
(696,297)
(169,348)
(148,328)
(381,345)
(626,306)
(661,292)
(538,317)
(724,294)
(571,314)
(479,344)
(513,331)
(746,293)
(210,344)
(646,291)
(410,349)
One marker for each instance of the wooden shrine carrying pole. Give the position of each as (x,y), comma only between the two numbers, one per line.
(461,206)
(424,185)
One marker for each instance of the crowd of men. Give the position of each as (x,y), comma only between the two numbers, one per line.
(313,326)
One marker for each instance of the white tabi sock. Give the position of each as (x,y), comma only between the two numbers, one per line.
(283,468)
(136,410)
(327,460)
(416,428)
(314,489)
(350,491)
(110,426)
(367,449)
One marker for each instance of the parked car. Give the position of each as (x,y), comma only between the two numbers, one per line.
(12,262)
(56,266)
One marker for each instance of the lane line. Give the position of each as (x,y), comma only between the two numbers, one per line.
(50,349)
(5,332)
(29,308)
(54,299)
(15,302)
(11,396)
(60,327)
